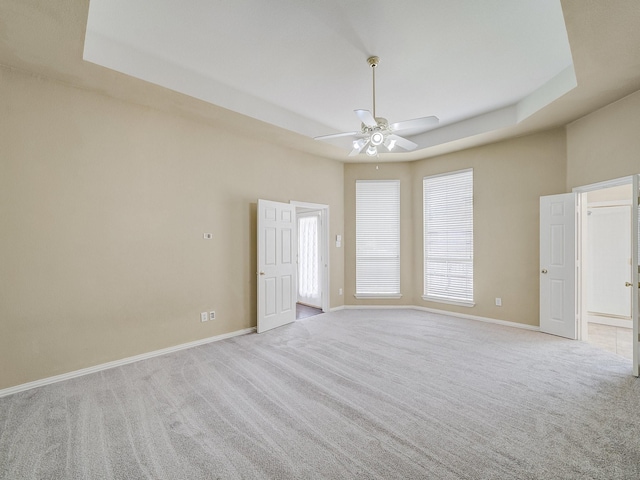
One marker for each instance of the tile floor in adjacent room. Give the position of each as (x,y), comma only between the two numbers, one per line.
(614,339)
(305,311)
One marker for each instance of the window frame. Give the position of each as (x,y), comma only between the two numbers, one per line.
(458,258)
(395,257)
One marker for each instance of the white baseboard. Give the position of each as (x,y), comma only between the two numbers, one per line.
(119,363)
(479,319)
(611,321)
(444,312)
(335,309)
(378,307)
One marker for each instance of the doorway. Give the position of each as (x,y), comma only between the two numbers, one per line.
(565,303)
(633,283)
(606,299)
(277,262)
(313,266)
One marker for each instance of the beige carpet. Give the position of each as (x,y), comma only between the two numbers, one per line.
(354,394)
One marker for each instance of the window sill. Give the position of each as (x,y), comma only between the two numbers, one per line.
(459,303)
(370,296)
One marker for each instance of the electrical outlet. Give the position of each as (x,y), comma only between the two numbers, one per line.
(203,317)
(207,236)
(339,291)
(498,302)
(212,315)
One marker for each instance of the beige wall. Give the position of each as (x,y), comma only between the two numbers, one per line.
(103,206)
(605,144)
(509,178)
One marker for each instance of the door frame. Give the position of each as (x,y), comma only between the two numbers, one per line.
(323,248)
(632,180)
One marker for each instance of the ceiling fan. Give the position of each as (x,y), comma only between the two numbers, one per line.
(376,134)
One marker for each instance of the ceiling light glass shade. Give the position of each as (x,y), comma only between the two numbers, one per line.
(390,144)
(377,138)
(359,143)
(372,151)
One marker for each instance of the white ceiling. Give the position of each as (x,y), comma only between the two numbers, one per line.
(301,64)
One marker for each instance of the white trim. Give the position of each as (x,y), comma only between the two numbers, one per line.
(119,363)
(610,321)
(373,296)
(605,184)
(337,309)
(378,307)
(465,316)
(610,203)
(504,323)
(448,301)
(313,206)
(446,174)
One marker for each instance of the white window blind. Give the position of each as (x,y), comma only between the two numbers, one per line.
(377,238)
(448,237)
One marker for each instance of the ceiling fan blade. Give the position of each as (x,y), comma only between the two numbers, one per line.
(336,135)
(403,142)
(417,125)
(366,117)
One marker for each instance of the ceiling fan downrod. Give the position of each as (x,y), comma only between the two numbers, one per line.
(373,62)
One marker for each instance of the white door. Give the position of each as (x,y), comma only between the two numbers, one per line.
(276,264)
(608,258)
(310,261)
(557,265)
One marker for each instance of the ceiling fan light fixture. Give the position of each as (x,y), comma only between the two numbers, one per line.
(390,143)
(359,143)
(372,151)
(377,138)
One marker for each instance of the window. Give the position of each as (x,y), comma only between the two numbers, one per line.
(378,238)
(308,262)
(448,238)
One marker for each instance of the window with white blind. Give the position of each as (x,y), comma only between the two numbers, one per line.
(448,237)
(378,238)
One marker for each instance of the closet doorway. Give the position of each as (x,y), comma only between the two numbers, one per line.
(607,270)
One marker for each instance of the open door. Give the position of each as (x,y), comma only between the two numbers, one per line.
(276,264)
(635,272)
(558,265)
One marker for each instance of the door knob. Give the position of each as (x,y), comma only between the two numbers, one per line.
(628,284)
(544,270)
(261,273)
